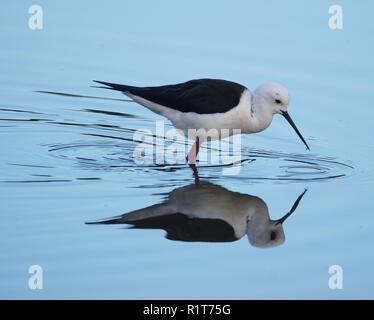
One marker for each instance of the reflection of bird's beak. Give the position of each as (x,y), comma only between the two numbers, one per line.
(281,220)
(288,118)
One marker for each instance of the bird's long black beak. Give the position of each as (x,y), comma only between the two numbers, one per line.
(295,205)
(288,118)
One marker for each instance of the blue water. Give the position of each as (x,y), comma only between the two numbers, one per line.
(67,159)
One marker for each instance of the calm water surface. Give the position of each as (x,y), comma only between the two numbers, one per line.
(66,154)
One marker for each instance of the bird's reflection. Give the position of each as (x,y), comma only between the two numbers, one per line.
(210,213)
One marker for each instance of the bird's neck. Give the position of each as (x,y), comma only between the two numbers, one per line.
(261,114)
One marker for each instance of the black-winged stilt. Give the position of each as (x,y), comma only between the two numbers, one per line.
(205,104)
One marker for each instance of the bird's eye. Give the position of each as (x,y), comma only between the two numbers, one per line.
(273,235)
(278,101)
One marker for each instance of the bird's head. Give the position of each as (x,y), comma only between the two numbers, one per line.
(267,235)
(275,98)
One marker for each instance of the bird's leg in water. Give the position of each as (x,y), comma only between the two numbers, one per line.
(195,174)
(191,158)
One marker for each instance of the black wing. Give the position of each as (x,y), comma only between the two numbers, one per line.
(183,228)
(201,96)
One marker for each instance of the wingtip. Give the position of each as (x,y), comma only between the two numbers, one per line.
(101,82)
(108,85)
(100,87)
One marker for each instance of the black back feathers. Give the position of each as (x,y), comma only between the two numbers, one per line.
(203,96)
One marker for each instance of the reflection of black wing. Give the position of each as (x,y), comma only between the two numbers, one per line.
(202,96)
(183,228)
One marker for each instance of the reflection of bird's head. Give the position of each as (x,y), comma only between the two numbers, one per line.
(266,234)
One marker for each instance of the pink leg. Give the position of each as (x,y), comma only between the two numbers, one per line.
(191,158)
(192,155)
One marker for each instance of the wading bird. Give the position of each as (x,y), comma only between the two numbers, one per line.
(200,105)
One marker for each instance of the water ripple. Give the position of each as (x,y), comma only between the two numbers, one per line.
(116,154)
(109,147)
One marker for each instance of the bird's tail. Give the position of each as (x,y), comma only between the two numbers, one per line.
(145,213)
(114,86)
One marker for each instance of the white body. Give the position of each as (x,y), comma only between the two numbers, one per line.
(246,117)
(253,113)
